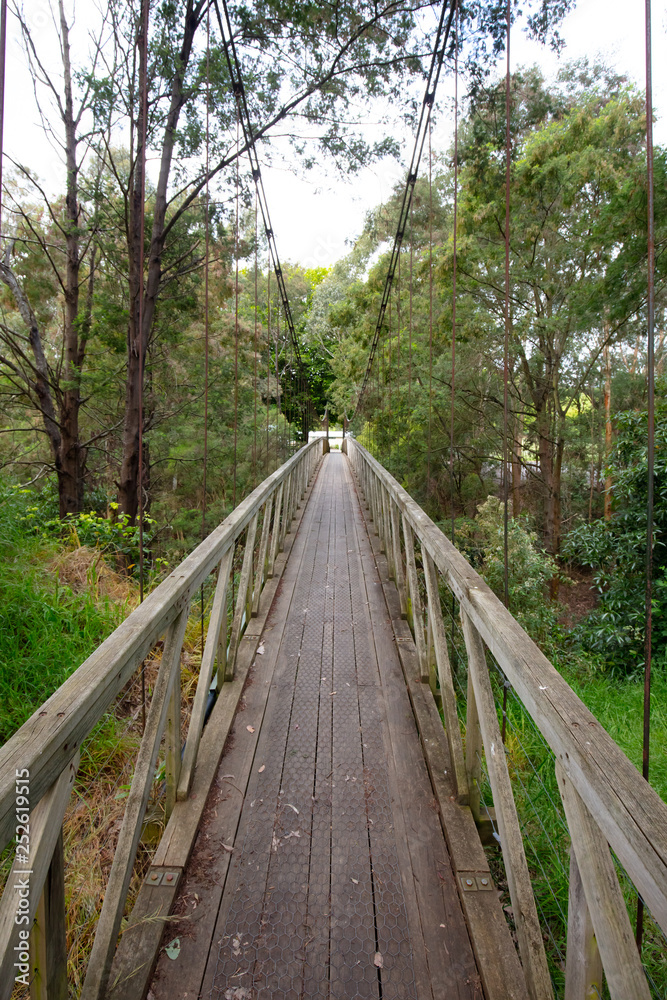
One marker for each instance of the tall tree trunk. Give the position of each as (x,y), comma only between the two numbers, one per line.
(71,471)
(608,484)
(138,336)
(517,445)
(551,464)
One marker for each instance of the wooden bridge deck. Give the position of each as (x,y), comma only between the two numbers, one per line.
(320,867)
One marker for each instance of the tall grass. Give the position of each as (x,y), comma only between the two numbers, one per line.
(46,628)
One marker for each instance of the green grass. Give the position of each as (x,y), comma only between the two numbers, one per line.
(46,630)
(618,705)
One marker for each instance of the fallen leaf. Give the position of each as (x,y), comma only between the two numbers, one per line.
(228,848)
(378,961)
(333,693)
(355,880)
(173,949)
(293,807)
(275,843)
(251,729)
(262,768)
(294,833)
(236,947)
(260,649)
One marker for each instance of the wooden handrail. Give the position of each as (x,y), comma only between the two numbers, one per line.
(48,740)
(597,781)
(47,744)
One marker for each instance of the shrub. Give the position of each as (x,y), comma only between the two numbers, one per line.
(616,551)
(529,568)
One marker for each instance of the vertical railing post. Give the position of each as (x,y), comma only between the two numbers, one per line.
(399,575)
(262,557)
(529,933)
(446,680)
(414,610)
(48,939)
(387,540)
(604,897)
(583,965)
(241,598)
(172,763)
(473,757)
(275,532)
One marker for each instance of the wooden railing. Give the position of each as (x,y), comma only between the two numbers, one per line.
(38,764)
(607,804)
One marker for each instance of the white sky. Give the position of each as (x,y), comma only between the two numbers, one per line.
(315,218)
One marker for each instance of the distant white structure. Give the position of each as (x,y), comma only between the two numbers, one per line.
(335,438)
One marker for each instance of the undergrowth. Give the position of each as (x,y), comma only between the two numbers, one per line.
(47,627)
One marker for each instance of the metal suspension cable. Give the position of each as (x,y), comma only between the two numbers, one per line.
(433,77)
(3,57)
(207,243)
(238,88)
(430,308)
(506,594)
(454,264)
(141,162)
(236,308)
(650,375)
(507,317)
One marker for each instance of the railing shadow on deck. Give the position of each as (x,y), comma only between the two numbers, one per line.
(607,805)
(38,764)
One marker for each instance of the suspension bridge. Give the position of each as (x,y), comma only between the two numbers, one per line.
(325,830)
(332,809)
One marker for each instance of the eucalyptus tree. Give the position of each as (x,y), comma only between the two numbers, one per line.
(312,72)
(60,231)
(576,148)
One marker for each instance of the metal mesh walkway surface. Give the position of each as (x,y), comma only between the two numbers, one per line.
(320,868)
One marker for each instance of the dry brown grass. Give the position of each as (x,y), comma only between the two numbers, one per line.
(95,813)
(84,568)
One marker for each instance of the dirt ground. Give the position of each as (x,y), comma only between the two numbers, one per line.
(578,597)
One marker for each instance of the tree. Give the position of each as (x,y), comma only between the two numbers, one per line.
(573,152)
(67,244)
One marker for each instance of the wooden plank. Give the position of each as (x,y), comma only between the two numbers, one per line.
(108,925)
(44,742)
(247,913)
(583,965)
(632,815)
(449,957)
(260,575)
(138,951)
(275,530)
(415,610)
(606,905)
(352,939)
(24,886)
(399,575)
(241,598)
(445,679)
(529,933)
(474,748)
(215,637)
(495,953)
(172,757)
(48,941)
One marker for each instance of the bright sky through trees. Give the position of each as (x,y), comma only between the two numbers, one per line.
(315,215)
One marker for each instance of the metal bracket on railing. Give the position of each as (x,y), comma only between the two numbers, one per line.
(163,876)
(475,882)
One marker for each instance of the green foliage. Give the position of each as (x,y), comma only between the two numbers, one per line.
(529,568)
(616,551)
(113,535)
(46,630)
